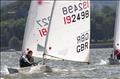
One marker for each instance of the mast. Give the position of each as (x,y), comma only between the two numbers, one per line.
(44,52)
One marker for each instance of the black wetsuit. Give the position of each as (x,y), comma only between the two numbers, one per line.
(26,61)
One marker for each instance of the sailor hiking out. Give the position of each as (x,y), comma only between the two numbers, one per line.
(27,60)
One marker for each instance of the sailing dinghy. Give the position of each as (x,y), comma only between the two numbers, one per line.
(65,37)
(115,56)
(35,30)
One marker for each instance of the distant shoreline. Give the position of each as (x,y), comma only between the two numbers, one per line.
(93,45)
(101,45)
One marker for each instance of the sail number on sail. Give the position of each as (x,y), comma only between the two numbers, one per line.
(78,12)
(82,42)
(42,23)
(43,32)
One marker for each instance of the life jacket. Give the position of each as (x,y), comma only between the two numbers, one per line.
(25,61)
(117,53)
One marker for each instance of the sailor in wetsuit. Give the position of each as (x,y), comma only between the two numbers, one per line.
(117,54)
(27,60)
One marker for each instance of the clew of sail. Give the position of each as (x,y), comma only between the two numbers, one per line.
(69,31)
(36,26)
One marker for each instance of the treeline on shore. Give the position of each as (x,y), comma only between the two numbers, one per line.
(13,20)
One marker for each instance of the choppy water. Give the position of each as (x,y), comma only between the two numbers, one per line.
(98,69)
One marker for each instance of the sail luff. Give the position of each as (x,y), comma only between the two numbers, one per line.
(30,20)
(45,52)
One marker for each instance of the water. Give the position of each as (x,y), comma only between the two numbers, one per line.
(98,69)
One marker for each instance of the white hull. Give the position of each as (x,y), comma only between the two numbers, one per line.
(29,70)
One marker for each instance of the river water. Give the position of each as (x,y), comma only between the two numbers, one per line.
(97,69)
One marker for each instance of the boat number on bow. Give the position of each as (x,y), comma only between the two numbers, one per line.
(75,12)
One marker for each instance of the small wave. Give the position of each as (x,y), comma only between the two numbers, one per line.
(88,69)
(34,69)
(103,62)
(59,70)
(4,70)
(1,78)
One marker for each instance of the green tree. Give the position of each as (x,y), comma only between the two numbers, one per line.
(19,28)
(102,24)
(96,29)
(10,28)
(14,43)
(109,22)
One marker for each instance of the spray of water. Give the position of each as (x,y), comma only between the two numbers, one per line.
(103,62)
(4,70)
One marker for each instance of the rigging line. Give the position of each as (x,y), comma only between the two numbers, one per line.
(44,53)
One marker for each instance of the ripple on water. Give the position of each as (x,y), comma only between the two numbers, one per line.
(98,69)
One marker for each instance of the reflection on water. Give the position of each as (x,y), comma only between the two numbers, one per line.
(67,69)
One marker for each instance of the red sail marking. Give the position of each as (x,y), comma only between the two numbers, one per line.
(50,48)
(40,1)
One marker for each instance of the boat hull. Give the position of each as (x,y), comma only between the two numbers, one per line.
(33,69)
(114,61)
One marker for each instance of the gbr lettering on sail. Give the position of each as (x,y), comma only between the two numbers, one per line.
(77,13)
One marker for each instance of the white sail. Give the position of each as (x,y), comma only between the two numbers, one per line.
(36,26)
(117,29)
(69,31)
